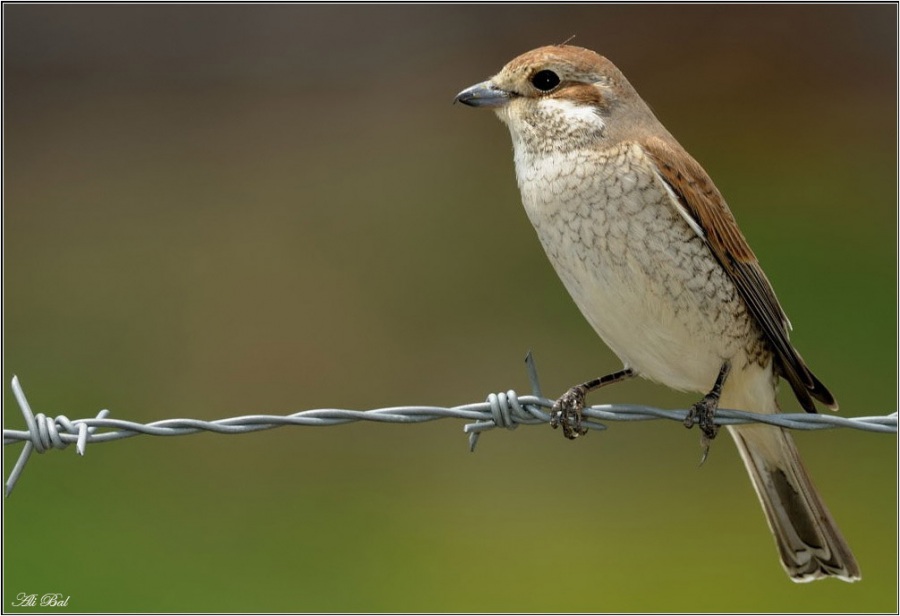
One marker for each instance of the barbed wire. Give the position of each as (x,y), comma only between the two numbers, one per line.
(501,410)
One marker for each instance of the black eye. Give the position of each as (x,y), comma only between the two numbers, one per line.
(545,80)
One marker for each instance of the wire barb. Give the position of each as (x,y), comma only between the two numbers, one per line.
(501,410)
(46,433)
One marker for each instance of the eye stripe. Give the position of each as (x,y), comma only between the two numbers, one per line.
(582,94)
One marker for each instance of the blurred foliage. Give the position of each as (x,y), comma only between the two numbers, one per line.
(222,210)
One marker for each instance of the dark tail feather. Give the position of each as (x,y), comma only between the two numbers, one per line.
(809,542)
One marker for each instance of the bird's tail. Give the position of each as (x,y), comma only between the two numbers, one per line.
(809,542)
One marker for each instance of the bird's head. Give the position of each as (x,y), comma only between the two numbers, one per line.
(560,97)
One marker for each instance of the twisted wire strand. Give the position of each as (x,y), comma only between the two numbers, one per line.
(502,410)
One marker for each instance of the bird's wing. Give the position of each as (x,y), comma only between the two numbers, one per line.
(703,202)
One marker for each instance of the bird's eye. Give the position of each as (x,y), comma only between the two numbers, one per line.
(545,80)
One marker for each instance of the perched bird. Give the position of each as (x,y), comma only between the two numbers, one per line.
(653,257)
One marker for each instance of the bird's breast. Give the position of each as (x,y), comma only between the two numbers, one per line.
(641,275)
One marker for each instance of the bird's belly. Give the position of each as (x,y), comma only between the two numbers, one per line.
(657,335)
(643,278)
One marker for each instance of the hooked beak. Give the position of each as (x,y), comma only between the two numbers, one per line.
(484,94)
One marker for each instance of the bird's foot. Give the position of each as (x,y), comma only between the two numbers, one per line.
(566,412)
(704,414)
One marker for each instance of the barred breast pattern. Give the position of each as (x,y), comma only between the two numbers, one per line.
(640,274)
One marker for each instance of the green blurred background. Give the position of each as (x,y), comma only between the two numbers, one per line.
(223,210)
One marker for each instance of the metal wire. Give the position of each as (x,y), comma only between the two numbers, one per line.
(502,410)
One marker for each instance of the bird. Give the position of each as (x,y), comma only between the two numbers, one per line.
(650,252)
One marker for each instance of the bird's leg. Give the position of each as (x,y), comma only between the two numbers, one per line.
(567,410)
(704,412)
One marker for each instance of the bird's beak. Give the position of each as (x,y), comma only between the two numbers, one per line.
(484,94)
